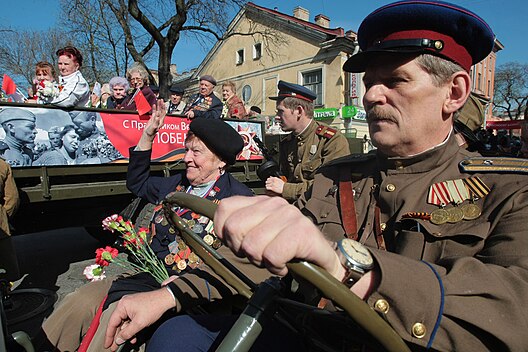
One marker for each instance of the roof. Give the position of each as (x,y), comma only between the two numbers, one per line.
(338,32)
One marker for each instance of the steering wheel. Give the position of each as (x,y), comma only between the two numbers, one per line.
(334,290)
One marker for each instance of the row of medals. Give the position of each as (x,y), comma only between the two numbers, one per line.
(455,214)
(185,257)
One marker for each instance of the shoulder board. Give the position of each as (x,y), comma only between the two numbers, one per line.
(325,131)
(506,165)
(351,159)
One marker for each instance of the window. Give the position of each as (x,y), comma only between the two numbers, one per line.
(240,57)
(257,51)
(246,93)
(313,80)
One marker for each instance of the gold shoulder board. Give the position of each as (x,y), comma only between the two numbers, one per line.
(483,164)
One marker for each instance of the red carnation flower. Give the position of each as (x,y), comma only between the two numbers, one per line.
(103,256)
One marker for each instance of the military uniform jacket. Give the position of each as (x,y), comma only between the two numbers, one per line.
(300,156)
(200,284)
(453,287)
(9,199)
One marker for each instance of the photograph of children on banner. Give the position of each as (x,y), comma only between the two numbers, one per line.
(47,137)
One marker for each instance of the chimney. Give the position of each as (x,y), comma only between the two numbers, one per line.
(322,20)
(301,13)
(351,34)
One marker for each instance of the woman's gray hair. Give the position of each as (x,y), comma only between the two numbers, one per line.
(139,68)
(118,81)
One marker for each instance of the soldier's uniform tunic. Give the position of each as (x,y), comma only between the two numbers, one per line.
(459,286)
(301,156)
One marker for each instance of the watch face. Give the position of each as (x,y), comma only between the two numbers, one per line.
(357,253)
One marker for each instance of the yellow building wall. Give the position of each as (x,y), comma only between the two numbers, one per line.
(285,59)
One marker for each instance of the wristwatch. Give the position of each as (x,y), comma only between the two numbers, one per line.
(356,259)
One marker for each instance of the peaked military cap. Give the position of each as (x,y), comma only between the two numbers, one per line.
(420,26)
(10,114)
(154,88)
(293,90)
(219,136)
(177,90)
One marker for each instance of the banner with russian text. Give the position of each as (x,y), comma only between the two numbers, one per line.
(41,136)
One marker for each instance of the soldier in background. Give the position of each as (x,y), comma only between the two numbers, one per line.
(54,136)
(9,199)
(310,144)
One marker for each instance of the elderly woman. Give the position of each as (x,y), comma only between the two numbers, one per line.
(210,146)
(65,155)
(118,88)
(233,106)
(74,90)
(138,77)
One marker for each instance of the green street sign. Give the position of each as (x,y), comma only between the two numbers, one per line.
(325,114)
(348,112)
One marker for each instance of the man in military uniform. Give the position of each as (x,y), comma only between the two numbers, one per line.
(432,235)
(20,131)
(310,144)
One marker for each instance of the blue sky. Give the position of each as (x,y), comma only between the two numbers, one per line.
(507,18)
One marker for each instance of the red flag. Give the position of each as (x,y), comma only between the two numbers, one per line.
(8,86)
(142,105)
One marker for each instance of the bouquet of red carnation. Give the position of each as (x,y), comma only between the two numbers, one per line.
(145,260)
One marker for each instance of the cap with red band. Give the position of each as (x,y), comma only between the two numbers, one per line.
(293,90)
(434,27)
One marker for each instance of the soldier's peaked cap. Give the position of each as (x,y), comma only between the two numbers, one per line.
(413,26)
(293,90)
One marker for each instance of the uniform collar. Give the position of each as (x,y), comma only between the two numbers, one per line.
(308,131)
(422,162)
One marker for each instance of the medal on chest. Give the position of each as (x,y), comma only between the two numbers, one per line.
(455,193)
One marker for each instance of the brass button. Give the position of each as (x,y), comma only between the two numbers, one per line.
(419,330)
(300,160)
(382,306)
(383,226)
(324,215)
(398,163)
(390,187)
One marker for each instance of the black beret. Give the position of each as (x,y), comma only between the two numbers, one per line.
(177,90)
(209,79)
(220,137)
(423,26)
(293,90)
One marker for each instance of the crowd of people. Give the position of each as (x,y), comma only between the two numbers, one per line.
(72,90)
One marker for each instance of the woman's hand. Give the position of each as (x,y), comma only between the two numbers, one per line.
(157,119)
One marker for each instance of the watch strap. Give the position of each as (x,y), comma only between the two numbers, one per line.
(351,277)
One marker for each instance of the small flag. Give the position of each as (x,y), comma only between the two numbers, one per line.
(142,105)
(8,86)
